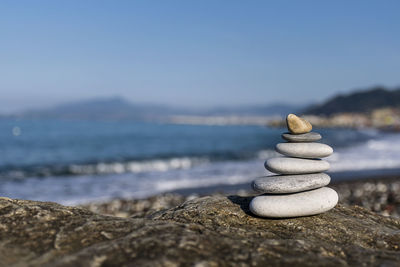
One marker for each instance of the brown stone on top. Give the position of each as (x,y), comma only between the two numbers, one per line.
(297,125)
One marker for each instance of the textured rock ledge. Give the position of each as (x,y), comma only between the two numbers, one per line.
(207,231)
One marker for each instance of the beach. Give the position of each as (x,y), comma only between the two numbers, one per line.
(74,163)
(380,194)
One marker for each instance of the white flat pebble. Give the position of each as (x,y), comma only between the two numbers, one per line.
(304,150)
(284,165)
(294,205)
(307,137)
(280,184)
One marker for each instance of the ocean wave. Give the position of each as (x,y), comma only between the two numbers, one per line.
(94,182)
(85,188)
(100,168)
(162,164)
(373,154)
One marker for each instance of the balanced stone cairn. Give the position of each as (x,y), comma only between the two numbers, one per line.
(299,189)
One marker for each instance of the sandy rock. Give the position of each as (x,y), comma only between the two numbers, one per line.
(209,231)
(297,125)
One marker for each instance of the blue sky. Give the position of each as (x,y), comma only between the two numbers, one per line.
(195,53)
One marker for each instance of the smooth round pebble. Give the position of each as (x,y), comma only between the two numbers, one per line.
(306,137)
(304,150)
(284,165)
(294,205)
(281,184)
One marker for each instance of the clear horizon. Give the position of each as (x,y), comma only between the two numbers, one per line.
(197,54)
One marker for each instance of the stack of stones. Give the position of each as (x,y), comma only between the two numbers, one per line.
(299,188)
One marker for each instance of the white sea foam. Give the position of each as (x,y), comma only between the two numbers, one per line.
(158,165)
(266,154)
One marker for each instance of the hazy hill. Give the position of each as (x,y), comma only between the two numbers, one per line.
(117,108)
(359,101)
(101,108)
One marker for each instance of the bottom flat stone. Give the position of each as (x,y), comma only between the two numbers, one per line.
(294,205)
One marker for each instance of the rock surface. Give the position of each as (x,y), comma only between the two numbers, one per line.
(307,137)
(207,231)
(283,184)
(304,150)
(285,165)
(294,205)
(297,125)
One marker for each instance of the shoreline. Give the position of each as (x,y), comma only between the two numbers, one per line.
(378,193)
(336,179)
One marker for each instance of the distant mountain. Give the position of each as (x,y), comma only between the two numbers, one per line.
(102,108)
(360,101)
(117,108)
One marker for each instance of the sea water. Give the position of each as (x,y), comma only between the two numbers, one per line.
(79,161)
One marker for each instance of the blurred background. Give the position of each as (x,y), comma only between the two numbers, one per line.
(128,99)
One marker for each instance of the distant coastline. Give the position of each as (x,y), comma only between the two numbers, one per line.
(222,120)
(377,108)
(384,119)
